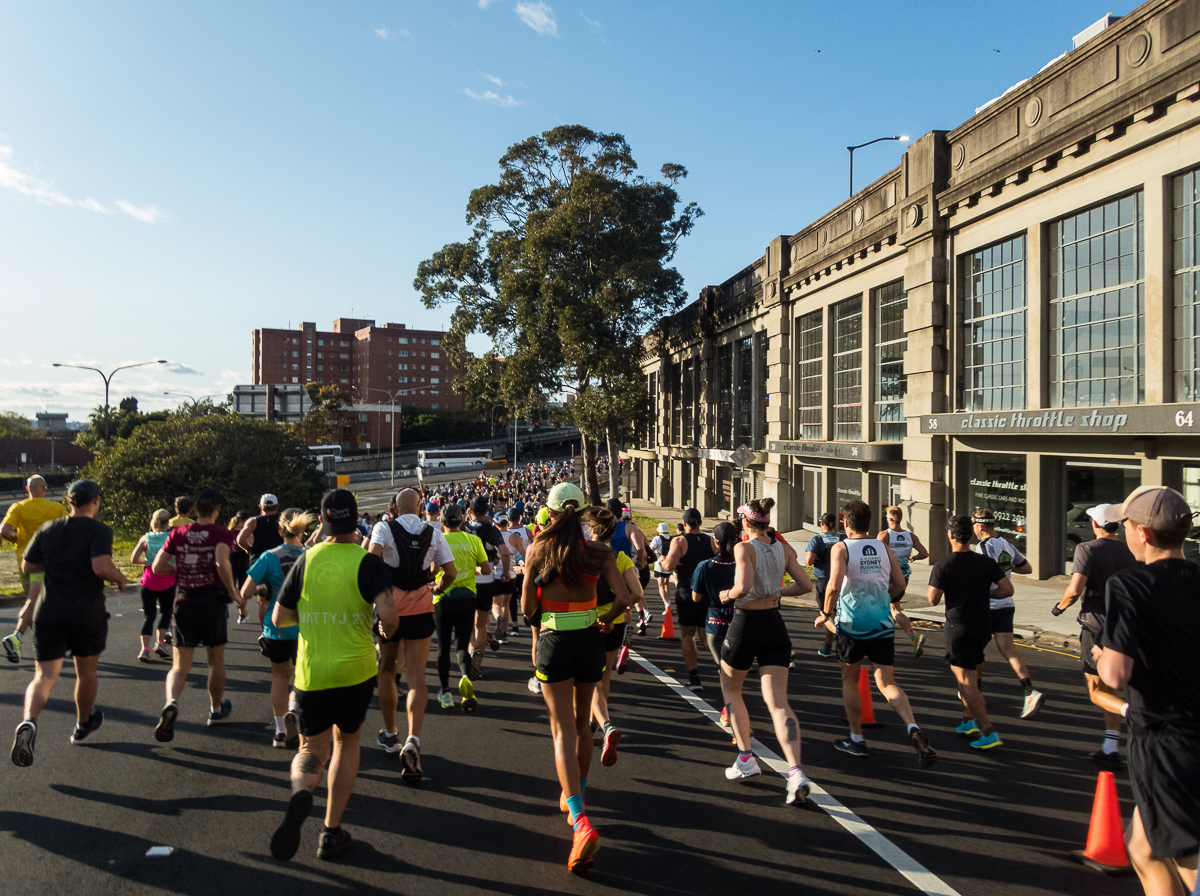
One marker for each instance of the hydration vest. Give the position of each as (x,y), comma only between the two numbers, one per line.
(411,574)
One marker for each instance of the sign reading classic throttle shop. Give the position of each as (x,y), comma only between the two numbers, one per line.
(1156,420)
(864,451)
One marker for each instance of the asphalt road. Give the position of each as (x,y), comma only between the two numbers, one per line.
(486,819)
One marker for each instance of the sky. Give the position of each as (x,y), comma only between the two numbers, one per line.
(174,175)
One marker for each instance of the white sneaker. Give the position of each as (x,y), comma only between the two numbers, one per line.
(535,686)
(1033,703)
(798,787)
(740,770)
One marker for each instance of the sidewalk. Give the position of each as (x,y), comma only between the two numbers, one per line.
(1034,599)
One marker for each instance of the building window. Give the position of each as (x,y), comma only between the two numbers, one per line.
(295,340)
(435,405)
(320,342)
(674,389)
(652,411)
(761,347)
(435,366)
(295,379)
(1187,286)
(1097,296)
(403,354)
(320,367)
(725,396)
(403,340)
(995,318)
(890,344)
(434,379)
(744,400)
(435,342)
(809,351)
(295,367)
(435,354)
(847,370)
(295,354)
(320,379)
(689,401)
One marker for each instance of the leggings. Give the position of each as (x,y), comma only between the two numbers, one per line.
(160,602)
(714,643)
(453,618)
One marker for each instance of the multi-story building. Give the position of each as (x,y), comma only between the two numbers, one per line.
(369,362)
(1009,319)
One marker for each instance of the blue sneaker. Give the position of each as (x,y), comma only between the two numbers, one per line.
(968,728)
(987,741)
(825,650)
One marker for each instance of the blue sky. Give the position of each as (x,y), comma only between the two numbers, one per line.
(174,175)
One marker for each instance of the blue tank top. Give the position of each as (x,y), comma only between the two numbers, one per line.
(154,543)
(864,608)
(622,543)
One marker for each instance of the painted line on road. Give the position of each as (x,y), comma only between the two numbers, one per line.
(916,873)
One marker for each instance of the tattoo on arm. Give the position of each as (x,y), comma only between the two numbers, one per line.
(793,730)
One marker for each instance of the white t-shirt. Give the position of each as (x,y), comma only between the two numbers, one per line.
(1006,554)
(439,549)
(523,537)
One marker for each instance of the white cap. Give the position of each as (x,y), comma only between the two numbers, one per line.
(1097,513)
(268,500)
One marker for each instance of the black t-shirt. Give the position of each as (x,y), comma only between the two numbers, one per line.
(65,547)
(965,579)
(1098,560)
(373,579)
(1152,613)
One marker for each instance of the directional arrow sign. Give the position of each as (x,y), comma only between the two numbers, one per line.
(743,457)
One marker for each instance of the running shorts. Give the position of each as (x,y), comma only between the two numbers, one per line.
(344,707)
(687,611)
(416,627)
(279,650)
(484,592)
(644,576)
(1164,769)
(965,644)
(200,619)
(757,634)
(614,639)
(1086,643)
(880,651)
(51,641)
(1002,620)
(501,587)
(565,655)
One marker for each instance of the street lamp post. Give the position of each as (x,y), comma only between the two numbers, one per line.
(195,401)
(108,379)
(860,146)
(392,399)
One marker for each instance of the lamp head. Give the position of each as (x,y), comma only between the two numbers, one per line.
(904,137)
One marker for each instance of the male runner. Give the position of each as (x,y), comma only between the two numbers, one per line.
(75,555)
(21,521)
(261,533)
(630,541)
(183,512)
(204,577)
(1151,628)
(864,575)
(1004,609)
(1094,562)
(966,579)
(485,583)
(504,598)
(816,555)
(686,553)
(329,593)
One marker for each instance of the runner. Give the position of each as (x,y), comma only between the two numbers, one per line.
(906,547)
(560,582)
(183,512)
(966,578)
(864,576)
(629,540)
(261,533)
(200,552)
(520,537)
(1151,629)
(158,592)
(816,555)
(75,555)
(485,583)
(712,576)
(1094,562)
(409,547)
(661,545)
(20,523)
(264,580)
(504,596)
(454,608)
(1004,609)
(685,555)
(758,633)
(329,594)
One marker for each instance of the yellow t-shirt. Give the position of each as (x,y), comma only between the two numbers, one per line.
(623,563)
(28,516)
(177,521)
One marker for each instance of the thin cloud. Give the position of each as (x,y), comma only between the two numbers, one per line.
(489,96)
(491,78)
(591,23)
(537,16)
(147,214)
(484,4)
(176,367)
(388,34)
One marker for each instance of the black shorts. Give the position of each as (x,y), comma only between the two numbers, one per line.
(51,640)
(416,627)
(687,611)
(345,707)
(757,634)
(201,618)
(279,650)
(1086,643)
(614,639)
(484,594)
(965,644)
(565,655)
(1002,620)
(501,588)
(880,651)
(644,576)
(1164,769)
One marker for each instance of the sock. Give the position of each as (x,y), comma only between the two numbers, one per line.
(693,674)
(17,635)
(582,787)
(1027,684)
(745,757)
(293,706)
(327,829)
(1111,740)
(279,727)
(575,807)
(794,770)
(913,728)
(174,701)
(394,732)
(857,738)
(416,740)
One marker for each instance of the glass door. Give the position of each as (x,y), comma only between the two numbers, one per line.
(1087,484)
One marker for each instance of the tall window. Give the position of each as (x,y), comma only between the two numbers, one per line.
(1097,294)
(725,396)
(809,350)
(689,402)
(745,391)
(890,344)
(674,388)
(994,372)
(652,398)
(1187,286)
(761,345)
(847,370)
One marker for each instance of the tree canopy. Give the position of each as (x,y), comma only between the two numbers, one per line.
(567,266)
(18,426)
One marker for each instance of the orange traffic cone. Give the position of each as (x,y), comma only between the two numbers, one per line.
(1105,850)
(668,627)
(868,707)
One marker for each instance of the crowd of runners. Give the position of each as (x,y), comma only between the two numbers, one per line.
(348,608)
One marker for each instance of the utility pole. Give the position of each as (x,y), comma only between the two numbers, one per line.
(108,380)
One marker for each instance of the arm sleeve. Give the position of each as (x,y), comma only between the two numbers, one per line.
(102,541)
(289,594)
(1121,621)
(373,577)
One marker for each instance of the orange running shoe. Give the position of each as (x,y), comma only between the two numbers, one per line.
(608,756)
(587,843)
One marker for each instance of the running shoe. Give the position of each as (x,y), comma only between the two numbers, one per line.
(608,755)
(925,755)
(12,648)
(169,638)
(535,686)
(641,626)
(987,741)
(514,631)
(725,717)
(241,618)
(279,741)
(622,660)
(160,649)
(410,763)
(798,789)
(825,650)
(694,684)
(389,742)
(445,699)
(648,618)
(164,731)
(968,728)
(493,641)
(222,715)
(918,644)
(467,690)
(291,726)
(587,843)
(143,655)
(1110,761)
(332,844)
(740,770)
(82,732)
(1033,704)
(475,672)
(24,739)
(852,747)
(286,839)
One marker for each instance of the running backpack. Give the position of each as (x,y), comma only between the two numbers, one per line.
(411,548)
(287,559)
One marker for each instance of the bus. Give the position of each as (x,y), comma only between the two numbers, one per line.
(327,456)
(445,460)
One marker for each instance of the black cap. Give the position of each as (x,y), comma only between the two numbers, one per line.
(692,517)
(339,512)
(723,531)
(452,515)
(83,491)
(480,505)
(209,496)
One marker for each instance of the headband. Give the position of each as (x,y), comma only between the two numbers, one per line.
(983,520)
(749,514)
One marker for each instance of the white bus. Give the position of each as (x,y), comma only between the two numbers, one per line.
(446,460)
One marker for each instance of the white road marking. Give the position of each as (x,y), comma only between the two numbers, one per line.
(916,873)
